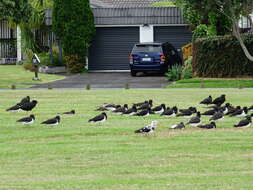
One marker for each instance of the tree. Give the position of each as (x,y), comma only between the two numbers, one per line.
(221,14)
(73,23)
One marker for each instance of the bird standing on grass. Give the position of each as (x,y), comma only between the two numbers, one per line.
(159,109)
(211,125)
(53,121)
(207,100)
(27,120)
(244,123)
(217,116)
(148,129)
(99,118)
(170,112)
(220,100)
(178,126)
(195,121)
(131,111)
(29,105)
(72,112)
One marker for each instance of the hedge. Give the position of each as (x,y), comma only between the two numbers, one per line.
(222,57)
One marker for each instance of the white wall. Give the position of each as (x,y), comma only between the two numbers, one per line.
(19,51)
(146,33)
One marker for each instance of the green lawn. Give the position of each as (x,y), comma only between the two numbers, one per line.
(15,74)
(213,83)
(77,155)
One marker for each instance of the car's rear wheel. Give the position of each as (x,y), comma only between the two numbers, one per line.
(133,73)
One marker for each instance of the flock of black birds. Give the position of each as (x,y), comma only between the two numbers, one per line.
(217,109)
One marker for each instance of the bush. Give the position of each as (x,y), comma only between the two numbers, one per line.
(73,64)
(75,32)
(202,31)
(174,74)
(187,69)
(222,57)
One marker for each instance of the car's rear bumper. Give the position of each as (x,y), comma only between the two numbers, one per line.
(157,67)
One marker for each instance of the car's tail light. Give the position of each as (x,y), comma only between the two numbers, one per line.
(162,57)
(130,59)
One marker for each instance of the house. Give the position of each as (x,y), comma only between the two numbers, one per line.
(122,23)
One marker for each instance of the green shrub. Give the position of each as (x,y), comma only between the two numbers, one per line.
(202,31)
(75,32)
(187,69)
(174,74)
(74,64)
(222,57)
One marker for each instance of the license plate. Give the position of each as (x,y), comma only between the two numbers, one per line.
(146,59)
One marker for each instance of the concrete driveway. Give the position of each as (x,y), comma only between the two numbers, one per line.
(108,80)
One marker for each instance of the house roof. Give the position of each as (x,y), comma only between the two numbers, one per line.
(124,3)
(138,16)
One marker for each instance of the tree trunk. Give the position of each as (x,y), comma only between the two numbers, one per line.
(236,33)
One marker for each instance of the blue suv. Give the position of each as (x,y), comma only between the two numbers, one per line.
(158,57)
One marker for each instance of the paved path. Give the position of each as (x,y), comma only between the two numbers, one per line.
(108,80)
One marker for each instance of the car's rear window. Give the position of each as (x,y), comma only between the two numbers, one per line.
(147,48)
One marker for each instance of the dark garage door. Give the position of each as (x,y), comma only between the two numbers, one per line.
(176,35)
(111,48)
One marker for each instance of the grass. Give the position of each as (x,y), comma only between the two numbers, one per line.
(17,75)
(213,83)
(78,155)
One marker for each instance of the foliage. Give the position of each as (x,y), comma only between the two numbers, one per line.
(174,74)
(187,69)
(75,32)
(214,13)
(201,31)
(221,57)
(74,64)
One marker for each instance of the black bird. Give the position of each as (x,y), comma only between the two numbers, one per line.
(99,118)
(14,108)
(178,126)
(148,129)
(195,121)
(250,108)
(147,105)
(244,123)
(211,125)
(143,113)
(191,109)
(53,121)
(207,100)
(121,110)
(29,105)
(232,110)
(141,103)
(106,107)
(217,116)
(240,112)
(170,112)
(210,112)
(159,109)
(220,100)
(112,107)
(27,120)
(187,112)
(131,111)
(72,112)
(226,108)
(25,100)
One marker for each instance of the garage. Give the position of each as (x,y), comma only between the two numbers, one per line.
(176,35)
(111,47)
(118,29)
